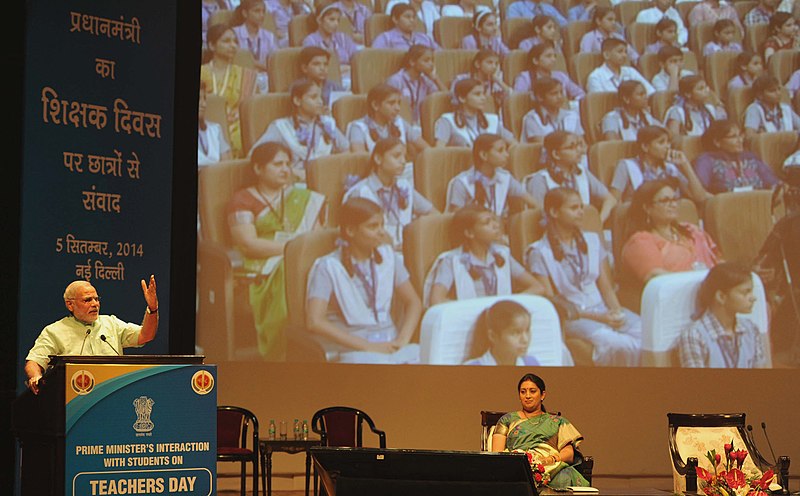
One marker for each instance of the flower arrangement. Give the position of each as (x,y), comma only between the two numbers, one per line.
(730,480)
(539,475)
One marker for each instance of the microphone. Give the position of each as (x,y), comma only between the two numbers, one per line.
(88,331)
(764,427)
(753,442)
(105,340)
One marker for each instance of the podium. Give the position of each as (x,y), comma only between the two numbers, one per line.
(119,425)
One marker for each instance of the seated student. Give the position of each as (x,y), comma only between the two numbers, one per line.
(707,11)
(351,290)
(695,108)
(666,35)
(761,13)
(249,21)
(485,68)
(768,114)
(656,242)
(582,11)
(749,66)
(724,38)
(625,121)
(605,25)
(566,167)
(663,9)
(502,335)
(615,70)
(542,58)
(208,9)
(485,34)
(403,36)
(357,13)
(282,12)
(794,83)
(262,218)
(468,121)
(783,34)
(548,112)
(545,29)
(574,264)
(726,166)
(459,8)
(530,9)
(656,160)
(718,338)
(386,187)
(383,121)
(314,63)
(328,37)
(671,61)
(308,133)
(426,11)
(416,79)
(487,182)
(211,144)
(480,266)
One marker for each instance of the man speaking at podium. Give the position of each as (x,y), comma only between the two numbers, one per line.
(86,332)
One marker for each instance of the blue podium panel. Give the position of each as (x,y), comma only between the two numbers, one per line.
(140,429)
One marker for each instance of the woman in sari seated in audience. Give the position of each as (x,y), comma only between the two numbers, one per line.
(717,337)
(657,243)
(502,336)
(350,293)
(551,439)
(726,166)
(262,218)
(480,266)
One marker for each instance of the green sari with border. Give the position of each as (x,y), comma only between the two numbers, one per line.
(302,208)
(543,435)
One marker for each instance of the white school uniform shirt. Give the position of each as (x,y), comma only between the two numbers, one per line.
(465,136)
(654,14)
(363,126)
(211,144)
(612,122)
(566,120)
(462,280)
(755,117)
(604,79)
(661,80)
(582,183)
(465,182)
(700,120)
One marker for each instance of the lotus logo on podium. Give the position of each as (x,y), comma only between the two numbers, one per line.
(144,408)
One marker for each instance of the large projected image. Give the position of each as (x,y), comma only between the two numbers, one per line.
(394,193)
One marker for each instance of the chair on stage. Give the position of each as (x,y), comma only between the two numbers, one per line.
(447,328)
(692,435)
(489,419)
(233,426)
(344,426)
(668,303)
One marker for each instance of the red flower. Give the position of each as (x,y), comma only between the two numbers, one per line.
(530,458)
(728,447)
(765,479)
(540,468)
(703,473)
(538,477)
(717,459)
(735,479)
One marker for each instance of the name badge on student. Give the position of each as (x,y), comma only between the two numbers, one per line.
(739,189)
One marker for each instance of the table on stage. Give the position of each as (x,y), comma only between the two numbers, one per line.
(611,492)
(291,446)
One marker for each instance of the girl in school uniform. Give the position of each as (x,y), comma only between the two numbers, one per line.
(485,34)
(350,292)
(695,108)
(251,34)
(574,264)
(545,29)
(625,121)
(357,13)
(383,121)
(768,114)
(566,167)
(749,66)
(211,145)
(486,69)
(783,34)
(480,266)
(655,160)
(502,335)
(666,35)
(403,36)
(724,38)
(385,186)
(542,59)
(416,79)
(328,37)
(487,183)
(308,133)
(548,113)
(605,26)
(469,120)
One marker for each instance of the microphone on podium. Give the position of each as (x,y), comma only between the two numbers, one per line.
(753,442)
(88,331)
(105,340)
(764,428)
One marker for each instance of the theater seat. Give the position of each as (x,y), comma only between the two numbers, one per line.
(739,223)
(327,175)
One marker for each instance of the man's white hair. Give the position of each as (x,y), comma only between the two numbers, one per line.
(74,287)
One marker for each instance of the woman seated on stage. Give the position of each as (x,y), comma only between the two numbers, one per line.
(502,335)
(657,242)
(551,439)
(350,293)
(262,218)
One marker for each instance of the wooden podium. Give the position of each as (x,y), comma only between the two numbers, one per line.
(119,425)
